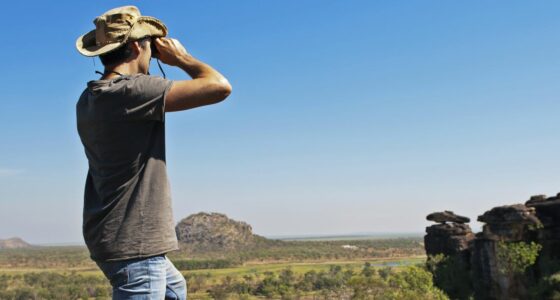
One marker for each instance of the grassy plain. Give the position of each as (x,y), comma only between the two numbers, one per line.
(212,277)
(284,269)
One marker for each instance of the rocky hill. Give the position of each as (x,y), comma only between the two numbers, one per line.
(215,231)
(13,243)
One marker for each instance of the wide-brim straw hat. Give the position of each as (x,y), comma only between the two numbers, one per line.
(117,27)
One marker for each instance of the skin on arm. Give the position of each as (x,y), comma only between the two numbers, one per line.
(207,86)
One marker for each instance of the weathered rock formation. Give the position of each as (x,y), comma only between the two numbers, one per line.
(548,212)
(447,216)
(13,243)
(548,263)
(447,238)
(537,222)
(452,238)
(214,231)
(509,223)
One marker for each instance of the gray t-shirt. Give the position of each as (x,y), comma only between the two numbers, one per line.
(127,201)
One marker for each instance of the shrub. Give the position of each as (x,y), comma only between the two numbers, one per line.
(452,275)
(515,258)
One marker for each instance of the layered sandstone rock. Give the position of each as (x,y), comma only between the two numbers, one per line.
(452,238)
(548,236)
(503,224)
(447,238)
(509,222)
(478,253)
(547,210)
(447,216)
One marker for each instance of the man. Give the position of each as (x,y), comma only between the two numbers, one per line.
(127,222)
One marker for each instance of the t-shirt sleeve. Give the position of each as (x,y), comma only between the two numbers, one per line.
(147,98)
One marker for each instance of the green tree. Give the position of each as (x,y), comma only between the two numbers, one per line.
(385,272)
(451,274)
(368,270)
(515,258)
(413,283)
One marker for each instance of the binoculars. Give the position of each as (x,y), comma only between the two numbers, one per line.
(153,47)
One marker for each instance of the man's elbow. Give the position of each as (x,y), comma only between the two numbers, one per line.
(222,89)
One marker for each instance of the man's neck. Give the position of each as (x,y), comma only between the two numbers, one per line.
(128,68)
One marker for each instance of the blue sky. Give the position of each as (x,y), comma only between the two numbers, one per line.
(346,116)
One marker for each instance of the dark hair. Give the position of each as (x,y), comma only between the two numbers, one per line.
(116,56)
(120,54)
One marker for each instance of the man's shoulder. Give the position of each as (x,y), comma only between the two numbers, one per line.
(82,99)
(137,85)
(148,86)
(150,80)
(127,88)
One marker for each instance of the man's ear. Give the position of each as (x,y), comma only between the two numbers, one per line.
(135,47)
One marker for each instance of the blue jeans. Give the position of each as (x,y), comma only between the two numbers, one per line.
(152,278)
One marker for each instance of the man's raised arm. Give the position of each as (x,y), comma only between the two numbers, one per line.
(207,86)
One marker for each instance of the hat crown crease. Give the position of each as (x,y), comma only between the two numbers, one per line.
(113,28)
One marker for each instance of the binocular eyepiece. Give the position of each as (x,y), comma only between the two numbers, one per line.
(153,47)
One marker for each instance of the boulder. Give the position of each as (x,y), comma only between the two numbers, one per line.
(509,222)
(447,216)
(510,214)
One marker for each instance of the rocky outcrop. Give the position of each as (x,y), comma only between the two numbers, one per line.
(479,255)
(509,222)
(13,243)
(452,238)
(214,231)
(503,224)
(447,238)
(548,212)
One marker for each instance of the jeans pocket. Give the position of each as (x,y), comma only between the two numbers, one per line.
(119,278)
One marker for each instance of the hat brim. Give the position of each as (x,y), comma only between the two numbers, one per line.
(144,26)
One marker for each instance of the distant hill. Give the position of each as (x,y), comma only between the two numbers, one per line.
(215,231)
(13,243)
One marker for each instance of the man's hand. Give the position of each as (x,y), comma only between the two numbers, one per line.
(207,86)
(170,51)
